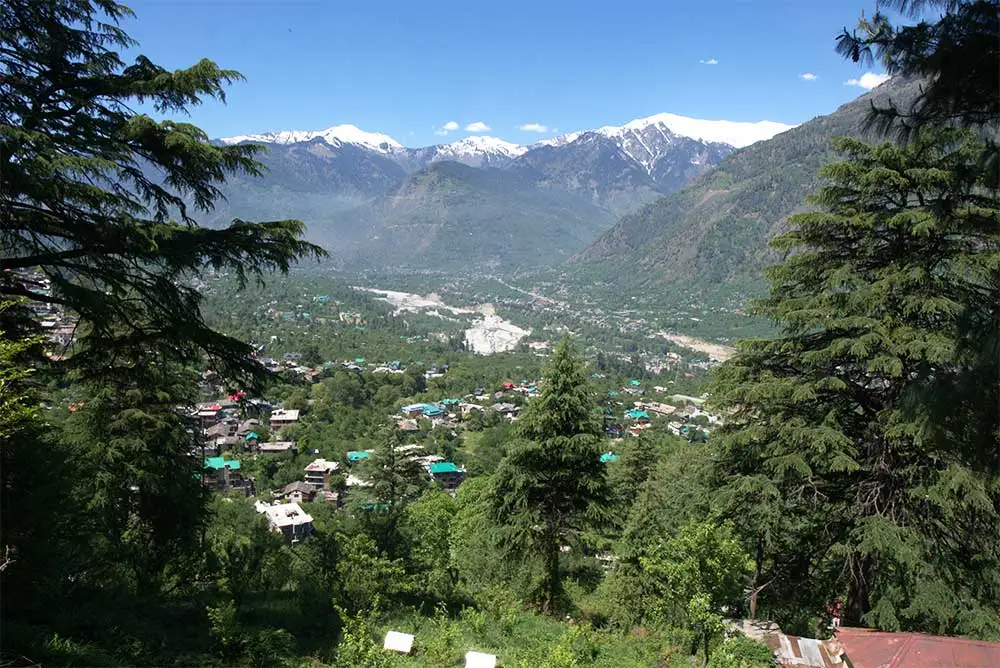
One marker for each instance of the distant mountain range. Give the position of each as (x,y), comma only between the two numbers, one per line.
(374,202)
(715,231)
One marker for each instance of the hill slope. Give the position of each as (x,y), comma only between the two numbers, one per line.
(451,216)
(716,229)
(375,203)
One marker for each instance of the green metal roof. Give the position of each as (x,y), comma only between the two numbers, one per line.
(609,457)
(358,455)
(444,467)
(637,414)
(218,463)
(635,383)
(252,435)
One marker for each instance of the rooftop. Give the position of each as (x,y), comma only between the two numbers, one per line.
(867,648)
(322,466)
(444,467)
(287,514)
(218,463)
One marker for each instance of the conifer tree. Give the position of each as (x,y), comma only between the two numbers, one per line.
(103,201)
(956,55)
(395,481)
(858,440)
(551,484)
(138,469)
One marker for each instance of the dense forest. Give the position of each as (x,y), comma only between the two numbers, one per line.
(525,504)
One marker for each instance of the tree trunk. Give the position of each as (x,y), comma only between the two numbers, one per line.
(551,585)
(859,590)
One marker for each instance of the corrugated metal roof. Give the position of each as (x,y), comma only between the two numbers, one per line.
(866,648)
(796,652)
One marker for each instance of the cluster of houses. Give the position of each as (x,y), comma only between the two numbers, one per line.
(224,428)
(58,326)
(640,415)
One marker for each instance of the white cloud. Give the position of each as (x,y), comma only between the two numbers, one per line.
(710,61)
(478,126)
(446,128)
(868,80)
(533,127)
(808,76)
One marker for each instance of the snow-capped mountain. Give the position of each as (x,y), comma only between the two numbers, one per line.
(737,134)
(646,140)
(475,151)
(335,135)
(366,196)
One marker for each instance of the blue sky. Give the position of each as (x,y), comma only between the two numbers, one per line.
(407,67)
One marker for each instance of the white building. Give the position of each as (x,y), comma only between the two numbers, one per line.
(283,417)
(288,518)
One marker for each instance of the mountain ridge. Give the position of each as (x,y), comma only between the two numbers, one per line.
(736,134)
(715,230)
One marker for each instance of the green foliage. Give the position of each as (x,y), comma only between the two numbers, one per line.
(366,576)
(395,481)
(551,487)
(225,629)
(15,409)
(741,652)
(428,525)
(245,552)
(80,204)
(857,477)
(956,56)
(359,645)
(695,574)
(137,479)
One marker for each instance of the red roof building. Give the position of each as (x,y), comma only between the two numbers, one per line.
(867,648)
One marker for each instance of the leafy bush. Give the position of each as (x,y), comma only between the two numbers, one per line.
(741,652)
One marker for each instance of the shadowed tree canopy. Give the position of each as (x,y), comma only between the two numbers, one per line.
(957,55)
(103,200)
(873,415)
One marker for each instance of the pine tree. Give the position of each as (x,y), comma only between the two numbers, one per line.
(956,56)
(551,484)
(138,465)
(395,481)
(103,201)
(870,465)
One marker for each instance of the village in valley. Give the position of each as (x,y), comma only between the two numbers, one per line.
(242,433)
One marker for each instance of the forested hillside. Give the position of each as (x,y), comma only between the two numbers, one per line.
(716,230)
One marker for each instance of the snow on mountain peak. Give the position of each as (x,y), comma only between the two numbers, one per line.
(349,134)
(735,133)
(484,144)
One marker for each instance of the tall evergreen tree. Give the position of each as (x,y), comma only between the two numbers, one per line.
(956,55)
(839,420)
(103,200)
(138,469)
(395,481)
(552,484)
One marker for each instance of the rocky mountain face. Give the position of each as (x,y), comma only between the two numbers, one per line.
(716,230)
(477,200)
